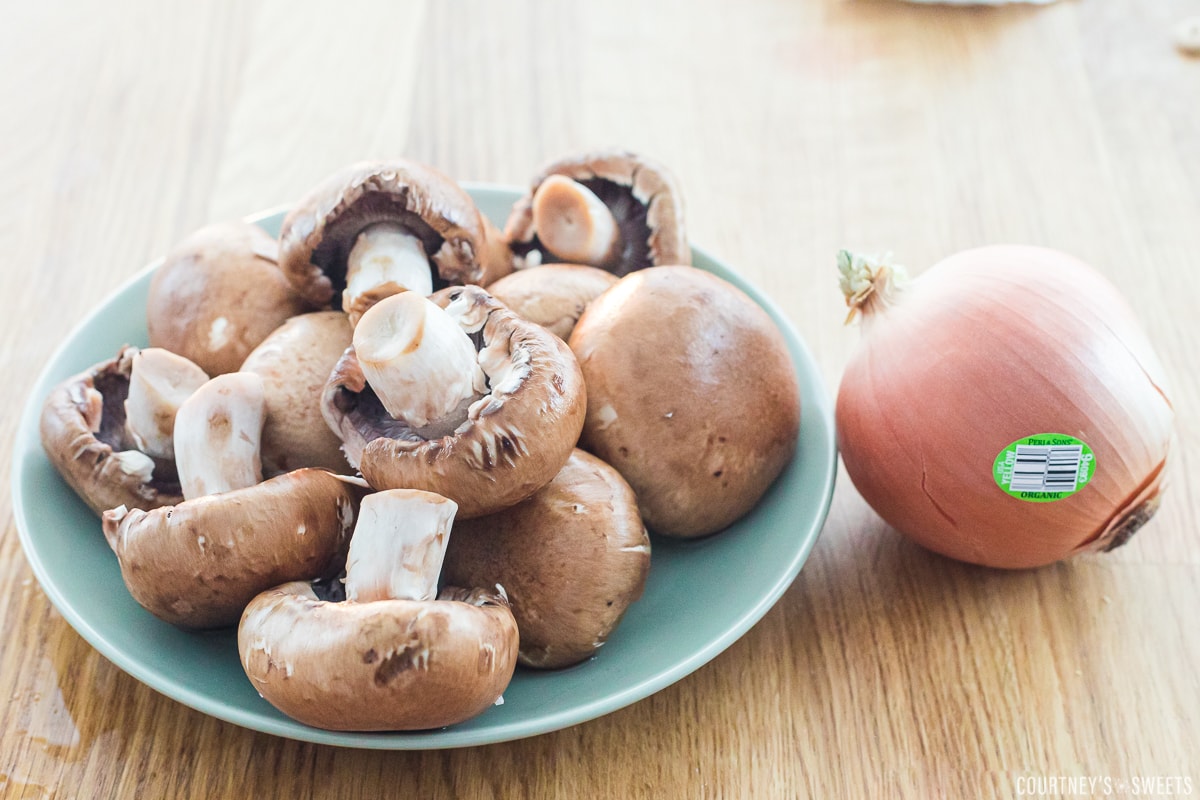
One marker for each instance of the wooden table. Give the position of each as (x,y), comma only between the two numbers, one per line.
(796,128)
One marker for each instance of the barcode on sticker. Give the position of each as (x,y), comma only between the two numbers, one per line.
(1046,468)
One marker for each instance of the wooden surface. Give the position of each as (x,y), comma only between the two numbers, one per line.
(796,128)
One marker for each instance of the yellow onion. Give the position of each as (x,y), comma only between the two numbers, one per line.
(985,349)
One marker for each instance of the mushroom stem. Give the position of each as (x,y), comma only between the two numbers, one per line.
(386,259)
(217,435)
(398,545)
(159,382)
(573,223)
(419,362)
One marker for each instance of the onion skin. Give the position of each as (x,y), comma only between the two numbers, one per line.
(987,347)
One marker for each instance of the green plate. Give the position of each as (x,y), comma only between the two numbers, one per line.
(699,598)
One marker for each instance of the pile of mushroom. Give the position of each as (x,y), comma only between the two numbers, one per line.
(395,362)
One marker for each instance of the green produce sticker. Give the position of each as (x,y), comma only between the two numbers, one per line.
(1044,468)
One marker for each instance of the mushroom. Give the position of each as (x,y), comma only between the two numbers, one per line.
(692,396)
(85,436)
(553,295)
(197,564)
(571,559)
(217,294)
(612,209)
(294,362)
(388,656)
(382,227)
(485,411)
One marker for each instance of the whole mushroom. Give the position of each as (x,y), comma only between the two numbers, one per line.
(553,295)
(109,430)
(198,563)
(456,395)
(610,208)
(571,558)
(692,396)
(389,656)
(217,294)
(378,228)
(294,362)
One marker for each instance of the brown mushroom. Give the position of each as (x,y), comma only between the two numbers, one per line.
(571,559)
(611,209)
(381,227)
(85,436)
(692,396)
(485,411)
(553,295)
(294,363)
(197,564)
(217,294)
(388,656)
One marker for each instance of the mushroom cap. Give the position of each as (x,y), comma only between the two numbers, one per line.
(642,195)
(692,396)
(198,564)
(294,363)
(552,295)
(380,665)
(83,433)
(318,233)
(571,559)
(514,440)
(217,294)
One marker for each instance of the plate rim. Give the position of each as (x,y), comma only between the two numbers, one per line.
(446,738)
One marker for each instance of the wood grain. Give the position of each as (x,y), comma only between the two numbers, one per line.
(795,128)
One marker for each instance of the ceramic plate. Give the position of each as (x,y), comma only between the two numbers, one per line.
(700,596)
